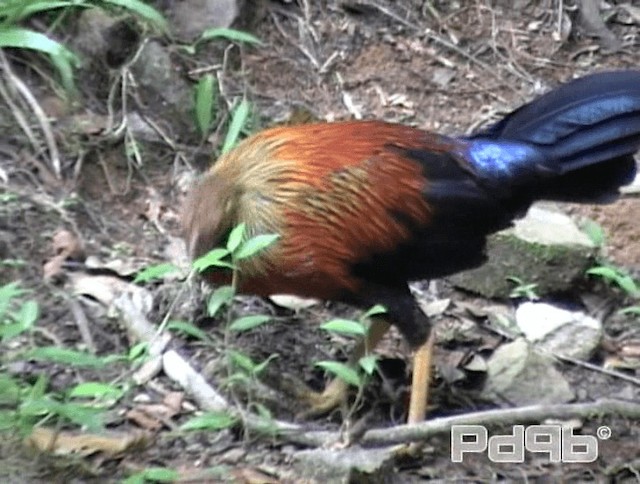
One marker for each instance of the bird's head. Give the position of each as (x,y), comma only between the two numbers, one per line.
(207,214)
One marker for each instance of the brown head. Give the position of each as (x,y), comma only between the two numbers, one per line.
(207,214)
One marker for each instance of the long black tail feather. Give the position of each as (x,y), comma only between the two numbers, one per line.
(575,143)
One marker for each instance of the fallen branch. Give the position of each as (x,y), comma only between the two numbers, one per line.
(507,416)
(209,398)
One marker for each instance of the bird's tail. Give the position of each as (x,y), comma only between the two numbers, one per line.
(575,143)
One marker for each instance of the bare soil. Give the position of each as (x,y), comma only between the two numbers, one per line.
(441,66)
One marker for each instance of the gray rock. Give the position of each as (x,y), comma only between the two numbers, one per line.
(566,333)
(545,248)
(351,464)
(165,92)
(517,374)
(190,18)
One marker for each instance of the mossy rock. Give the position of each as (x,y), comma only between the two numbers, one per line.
(545,248)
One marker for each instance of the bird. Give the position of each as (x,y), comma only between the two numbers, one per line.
(364,207)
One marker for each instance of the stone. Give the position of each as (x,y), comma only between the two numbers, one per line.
(545,248)
(351,464)
(561,332)
(518,375)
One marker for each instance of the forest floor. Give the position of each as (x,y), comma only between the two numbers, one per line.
(448,67)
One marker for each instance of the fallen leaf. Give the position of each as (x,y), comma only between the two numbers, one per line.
(253,476)
(65,245)
(294,303)
(74,443)
(105,289)
(634,12)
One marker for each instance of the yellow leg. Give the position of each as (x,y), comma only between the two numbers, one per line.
(421,377)
(335,393)
(420,381)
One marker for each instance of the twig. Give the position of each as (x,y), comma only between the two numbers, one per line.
(444,43)
(508,416)
(302,48)
(599,369)
(39,113)
(19,116)
(82,324)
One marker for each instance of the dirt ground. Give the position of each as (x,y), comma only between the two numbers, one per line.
(441,66)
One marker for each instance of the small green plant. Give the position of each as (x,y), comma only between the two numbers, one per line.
(620,278)
(207,91)
(594,231)
(523,289)
(633,310)
(153,474)
(239,120)
(617,277)
(216,33)
(206,98)
(241,367)
(24,404)
(356,376)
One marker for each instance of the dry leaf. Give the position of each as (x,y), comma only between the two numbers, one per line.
(66,245)
(105,289)
(634,12)
(67,443)
(252,476)
(294,303)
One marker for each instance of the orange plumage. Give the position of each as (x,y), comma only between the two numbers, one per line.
(312,185)
(362,208)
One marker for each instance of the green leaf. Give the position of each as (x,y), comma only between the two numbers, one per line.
(145,11)
(260,367)
(210,421)
(242,361)
(345,326)
(8,293)
(220,297)
(595,232)
(246,323)
(28,314)
(628,285)
(229,34)
(604,271)
(618,277)
(161,474)
(13,12)
(96,390)
(9,390)
(630,310)
(235,237)
(205,100)
(137,351)
(238,121)
(155,272)
(39,388)
(188,329)
(265,423)
(254,245)
(212,258)
(374,311)
(70,357)
(61,57)
(342,371)
(83,415)
(24,318)
(368,363)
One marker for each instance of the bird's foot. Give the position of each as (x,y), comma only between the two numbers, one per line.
(319,403)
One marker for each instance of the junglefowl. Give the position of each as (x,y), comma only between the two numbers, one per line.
(364,207)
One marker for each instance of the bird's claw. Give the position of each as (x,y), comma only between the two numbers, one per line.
(320,403)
